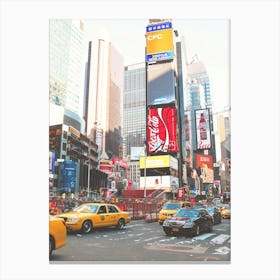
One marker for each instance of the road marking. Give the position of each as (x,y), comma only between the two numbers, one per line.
(203,236)
(135,234)
(178,248)
(222,251)
(220,239)
(152,238)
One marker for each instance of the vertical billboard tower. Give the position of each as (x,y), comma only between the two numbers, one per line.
(162,104)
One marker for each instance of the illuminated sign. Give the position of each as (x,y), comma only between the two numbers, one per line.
(161,131)
(160,84)
(159,42)
(205,162)
(166,183)
(158,162)
(202,129)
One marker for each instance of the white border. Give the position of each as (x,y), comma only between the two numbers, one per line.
(255,137)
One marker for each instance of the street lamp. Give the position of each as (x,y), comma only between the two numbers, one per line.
(145,177)
(145,152)
(88,182)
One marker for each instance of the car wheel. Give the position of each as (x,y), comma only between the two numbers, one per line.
(167,231)
(197,230)
(87,226)
(121,224)
(51,245)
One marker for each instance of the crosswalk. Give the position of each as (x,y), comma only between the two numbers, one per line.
(218,241)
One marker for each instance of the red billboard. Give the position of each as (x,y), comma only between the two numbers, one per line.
(203,129)
(205,162)
(161,131)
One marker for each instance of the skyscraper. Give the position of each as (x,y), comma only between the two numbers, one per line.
(66,72)
(103,97)
(200,98)
(197,71)
(134,107)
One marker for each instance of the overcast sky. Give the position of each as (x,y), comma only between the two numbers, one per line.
(208,39)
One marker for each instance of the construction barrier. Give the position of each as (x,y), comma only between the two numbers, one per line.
(137,210)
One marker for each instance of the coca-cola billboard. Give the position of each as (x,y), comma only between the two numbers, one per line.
(202,129)
(161,131)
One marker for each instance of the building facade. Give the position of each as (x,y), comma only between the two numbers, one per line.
(134,108)
(73,162)
(66,71)
(103,97)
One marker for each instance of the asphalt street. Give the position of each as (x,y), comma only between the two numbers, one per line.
(142,242)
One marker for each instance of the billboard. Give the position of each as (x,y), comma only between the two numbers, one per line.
(159,162)
(69,176)
(202,122)
(159,42)
(136,153)
(51,162)
(205,163)
(160,84)
(161,130)
(188,130)
(167,183)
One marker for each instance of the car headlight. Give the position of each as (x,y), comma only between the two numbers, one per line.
(188,225)
(73,220)
(165,223)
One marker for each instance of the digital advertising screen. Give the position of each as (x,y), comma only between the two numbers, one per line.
(160,84)
(162,130)
(202,129)
(159,42)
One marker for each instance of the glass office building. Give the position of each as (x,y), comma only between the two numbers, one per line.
(134,107)
(66,69)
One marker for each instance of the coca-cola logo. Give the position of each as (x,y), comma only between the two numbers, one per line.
(162,130)
(155,143)
(203,145)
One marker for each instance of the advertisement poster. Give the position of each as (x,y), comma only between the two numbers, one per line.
(69,176)
(167,183)
(188,130)
(205,162)
(161,130)
(160,84)
(51,162)
(202,129)
(159,42)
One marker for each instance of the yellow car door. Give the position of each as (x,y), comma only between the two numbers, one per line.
(114,214)
(103,217)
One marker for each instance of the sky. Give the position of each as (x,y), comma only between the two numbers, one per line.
(206,38)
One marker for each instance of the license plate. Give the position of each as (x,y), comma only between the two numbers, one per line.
(175,229)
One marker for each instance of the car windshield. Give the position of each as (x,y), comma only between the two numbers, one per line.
(171,206)
(86,209)
(187,213)
(210,210)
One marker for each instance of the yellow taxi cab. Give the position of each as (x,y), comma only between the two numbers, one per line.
(57,233)
(225,212)
(169,208)
(88,216)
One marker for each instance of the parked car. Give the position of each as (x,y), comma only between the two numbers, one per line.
(225,212)
(57,233)
(215,213)
(88,216)
(170,208)
(188,222)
